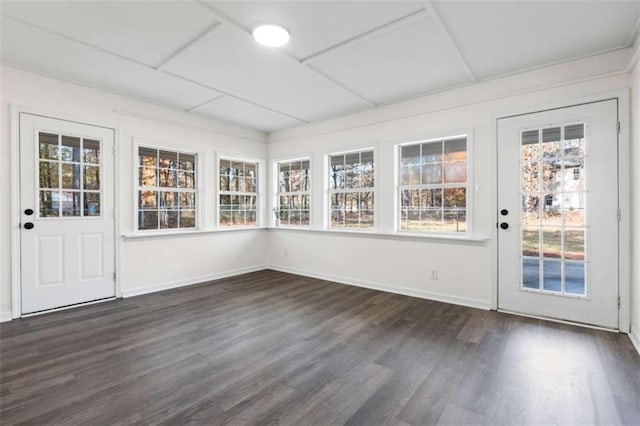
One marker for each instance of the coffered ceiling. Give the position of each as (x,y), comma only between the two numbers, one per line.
(344,56)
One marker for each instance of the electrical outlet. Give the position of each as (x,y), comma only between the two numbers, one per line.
(434,274)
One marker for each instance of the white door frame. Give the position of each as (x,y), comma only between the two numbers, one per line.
(15,111)
(624,193)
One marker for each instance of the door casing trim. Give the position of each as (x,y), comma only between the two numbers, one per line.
(624,193)
(14,154)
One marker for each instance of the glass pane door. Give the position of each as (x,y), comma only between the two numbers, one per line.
(553,220)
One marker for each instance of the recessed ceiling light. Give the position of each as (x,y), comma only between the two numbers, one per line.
(271,35)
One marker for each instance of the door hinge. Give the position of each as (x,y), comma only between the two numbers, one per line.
(618,127)
(114,276)
(619,215)
(618,302)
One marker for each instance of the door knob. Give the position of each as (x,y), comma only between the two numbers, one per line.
(28,225)
(28,212)
(504,212)
(504,225)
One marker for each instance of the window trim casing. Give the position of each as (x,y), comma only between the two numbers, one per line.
(199,187)
(326,202)
(470,185)
(275,181)
(259,196)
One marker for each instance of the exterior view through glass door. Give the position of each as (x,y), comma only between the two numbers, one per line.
(67,213)
(558,214)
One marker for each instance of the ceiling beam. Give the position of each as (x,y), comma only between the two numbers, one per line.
(208,101)
(293,117)
(364,36)
(435,16)
(188,44)
(234,24)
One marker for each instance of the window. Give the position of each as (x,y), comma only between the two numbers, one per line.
(238,195)
(69,176)
(294,192)
(166,189)
(351,190)
(433,186)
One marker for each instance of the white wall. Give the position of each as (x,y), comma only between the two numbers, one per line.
(466,270)
(146,263)
(635,198)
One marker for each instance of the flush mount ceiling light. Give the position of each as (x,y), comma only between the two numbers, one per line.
(271,35)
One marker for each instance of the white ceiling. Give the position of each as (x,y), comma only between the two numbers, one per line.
(346,56)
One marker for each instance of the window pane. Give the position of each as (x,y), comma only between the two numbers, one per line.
(574,244)
(187,219)
(552,209)
(49,202)
(186,180)
(455,171)
(574,278)
(432,173)
(530,273)
(336,172)
(552,176)
(148,219)
(169,219)
(168,159)
(71,176)
(70,203)
(70,148)
(92,204)
(455,197)
(552,275)
(366,219)
(168,200)
(49,174)
(92,177)
(530,148)
(148,157)
(455,150)
(551,143)
(431,220)
(455,220)
(187,201)
(531,177)
(91,151)
(48,146)
(410,155)
(431,198)
(148,200)
(147,176)
(186,162)
(530,210)
(431,152)
(530,241)
(168,178)
(551,242)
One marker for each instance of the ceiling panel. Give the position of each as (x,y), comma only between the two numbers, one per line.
(230,60)
(405,61)
(499,37)
(245,115)
(315,25)
(148,31)
(31,48)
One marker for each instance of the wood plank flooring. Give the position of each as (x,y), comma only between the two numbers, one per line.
(273,348)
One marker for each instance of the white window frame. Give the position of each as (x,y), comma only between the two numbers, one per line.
(330,192)
(218,192)
(469,185)
(278,194)
(198,176)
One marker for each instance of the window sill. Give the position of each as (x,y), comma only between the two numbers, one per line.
(162,234)
(389,235)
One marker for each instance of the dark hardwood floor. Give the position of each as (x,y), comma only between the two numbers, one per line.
(274,348)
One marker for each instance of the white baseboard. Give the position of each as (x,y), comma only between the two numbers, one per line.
(439,297)
(189,281)
(635,337)
(5,316)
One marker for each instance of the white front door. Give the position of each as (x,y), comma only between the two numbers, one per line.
(558,214)
(67,213)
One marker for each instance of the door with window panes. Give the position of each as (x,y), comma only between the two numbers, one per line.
(558,214)
(67,213)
